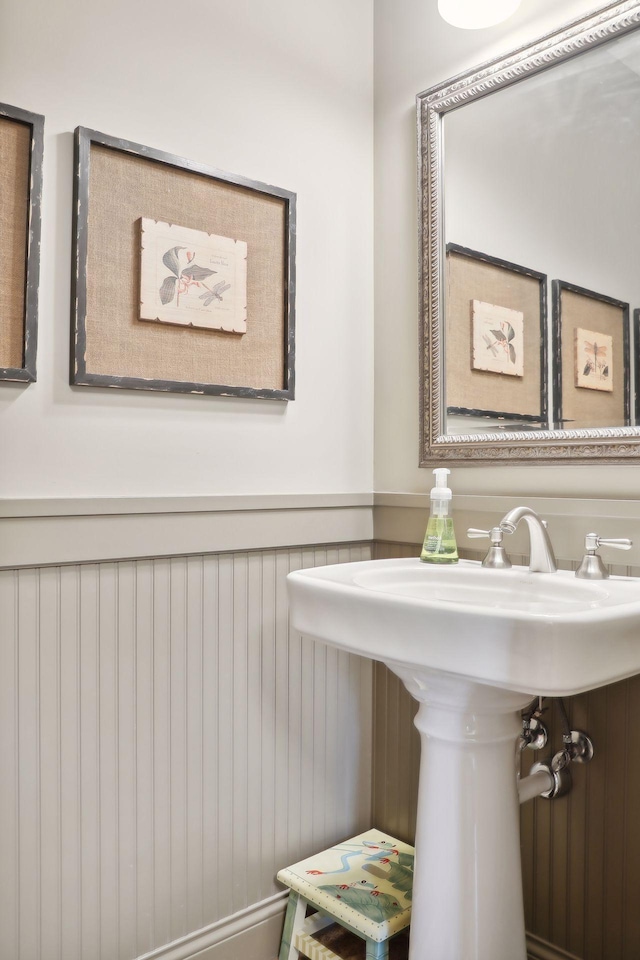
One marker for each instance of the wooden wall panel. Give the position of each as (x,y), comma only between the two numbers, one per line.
(167,743)
(583,849)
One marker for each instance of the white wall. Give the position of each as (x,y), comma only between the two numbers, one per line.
(278,92)
(415,49)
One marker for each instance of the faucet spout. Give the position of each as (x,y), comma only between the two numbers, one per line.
(542,558)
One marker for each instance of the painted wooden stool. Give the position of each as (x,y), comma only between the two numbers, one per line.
(364,884)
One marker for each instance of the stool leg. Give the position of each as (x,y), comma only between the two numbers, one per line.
(296,910)
(377,951)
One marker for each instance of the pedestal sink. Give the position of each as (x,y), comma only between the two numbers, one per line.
(473,646)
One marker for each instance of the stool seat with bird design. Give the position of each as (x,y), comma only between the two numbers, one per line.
(364,884)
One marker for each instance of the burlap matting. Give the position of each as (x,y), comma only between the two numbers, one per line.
(122,189)
(467,280)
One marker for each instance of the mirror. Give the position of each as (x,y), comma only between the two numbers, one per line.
(530,286)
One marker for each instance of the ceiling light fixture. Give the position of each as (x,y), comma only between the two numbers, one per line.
(475,14)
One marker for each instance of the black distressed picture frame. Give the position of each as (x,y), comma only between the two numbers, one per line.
(27,373)
(538,419)
(557,287)
(79,374)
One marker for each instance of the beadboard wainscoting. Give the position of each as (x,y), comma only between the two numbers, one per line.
(167,744)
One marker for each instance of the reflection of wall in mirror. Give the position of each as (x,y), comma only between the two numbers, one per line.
(555,183)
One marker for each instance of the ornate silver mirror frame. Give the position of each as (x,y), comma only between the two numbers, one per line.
(616,444)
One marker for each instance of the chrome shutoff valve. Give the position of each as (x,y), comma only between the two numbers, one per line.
(534,733)
(592,567)
(577,748)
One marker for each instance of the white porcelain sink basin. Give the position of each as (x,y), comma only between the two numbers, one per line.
(473,646)
(532,632)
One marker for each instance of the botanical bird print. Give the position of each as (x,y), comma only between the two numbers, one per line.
(182,277)
(192,278)
(497,339)
(596,359)
(593,360)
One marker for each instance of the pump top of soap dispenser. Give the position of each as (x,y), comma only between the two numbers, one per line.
(441,491)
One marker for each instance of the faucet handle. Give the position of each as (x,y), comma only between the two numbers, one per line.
(592,541)
(496,557)
(495,534)
(592,567)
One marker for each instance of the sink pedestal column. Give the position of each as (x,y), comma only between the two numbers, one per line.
(467,901)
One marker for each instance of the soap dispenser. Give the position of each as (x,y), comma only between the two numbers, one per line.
(440,539)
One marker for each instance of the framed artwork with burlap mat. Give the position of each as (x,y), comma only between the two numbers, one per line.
(495,353)
(184,276)
(591,359)
(21,150)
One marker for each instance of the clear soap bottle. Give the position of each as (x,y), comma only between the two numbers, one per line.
(440,539)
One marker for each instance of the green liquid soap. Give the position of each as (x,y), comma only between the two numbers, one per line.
(440,541)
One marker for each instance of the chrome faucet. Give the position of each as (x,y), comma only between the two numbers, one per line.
(542,559)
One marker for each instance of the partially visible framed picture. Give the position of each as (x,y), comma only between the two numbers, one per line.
(636,336)
(496,335)
(591,359)
(21,151)
(184,276)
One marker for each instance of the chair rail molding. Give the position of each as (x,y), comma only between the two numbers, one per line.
(88,530)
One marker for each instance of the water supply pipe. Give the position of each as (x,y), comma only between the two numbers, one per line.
(542,781)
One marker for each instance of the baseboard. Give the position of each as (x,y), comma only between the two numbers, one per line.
(254,934)
(538,949)
(250,934)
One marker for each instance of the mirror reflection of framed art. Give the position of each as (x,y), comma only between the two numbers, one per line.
(591,359)
(496,335)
